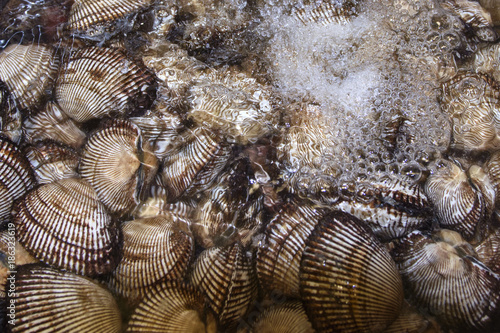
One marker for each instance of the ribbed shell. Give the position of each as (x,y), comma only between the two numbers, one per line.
(172,307)
(96,82)
(10,115)
(52,161)
(226,276)
(153,249)
(279,255)
(53,123)
(474,16)
(488,251)
(327,12)
(462,202)
(410,321)
(16,176)
(48,300)
(492,167)
(487,60)
(29,72)
(194,164)
(117,166)
(348,281)
(288,317)
(64,225)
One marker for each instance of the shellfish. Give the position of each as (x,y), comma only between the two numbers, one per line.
(287,317)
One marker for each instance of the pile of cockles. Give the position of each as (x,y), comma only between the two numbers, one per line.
(262,166)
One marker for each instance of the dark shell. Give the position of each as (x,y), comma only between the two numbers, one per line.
(96,82)
(288,317)
(64,224)
(171,306)
(153,249)
(16,176)
(488,251)
(348,281)
(10,115)
(49,300)
(117,164)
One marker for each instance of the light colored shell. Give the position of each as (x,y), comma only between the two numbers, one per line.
(29,72)
(153,249)
(326,12)
(172,307)
(492,167)
(64,225)
(96,82)
(52,161)
(348,281)
(288,317)
(226,276)
(493,8)
(279,254)
(53,123)
(462,201)
(49,300)
(116,162)
(16,177)
(444,279)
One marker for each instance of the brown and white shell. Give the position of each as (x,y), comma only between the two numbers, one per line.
(29,72)
(49,300)
(488,251)
(154,249)
(492,167)
(227,278)
(287,317)
(10,115)
(443,278)
(171,306)
(348,280)
(96,82)
(327,12)
(116,162)
(64,224)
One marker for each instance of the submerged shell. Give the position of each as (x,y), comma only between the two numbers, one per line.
(171,306)
(117,164)
(96,82)
(492,167)
(49,300)
(288,317)
(326,12)
(29,72)
(348,281)
(226,276)
(16,176)
(64,224)
(153,249)
(10,115)
(444,279)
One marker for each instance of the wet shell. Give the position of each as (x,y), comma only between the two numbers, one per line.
(10,115)
(487,61)
(29,72)
(172,307)
(448,282)
(116,162)
(53,123)
(226,276)
(288,317)
(348,281)
(488,251)
(64,225)
(462,201)
(280,253)
(326,12)
(153,249)
(411,321)
(492,167)
(52,161)
(49,300)
(16,176)
(96,82)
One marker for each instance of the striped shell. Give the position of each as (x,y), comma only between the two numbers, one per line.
(153,249)
(487,61)
(280,253)
(492,167)
(116,162)
(488,251)
(226,276)
(96,82)
(64,225)
(49,300)
(172,307)
(411,321)
(16,176)
(448,282)
(29,72)
(326,12)
(53,123)
(52,161)
(288,317)
(348,281)
(10,115)
(462,201)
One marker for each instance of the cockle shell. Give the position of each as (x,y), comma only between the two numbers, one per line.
(487,61)
(10,115)
(49,300)
(171,306)
(492,167)
(288,317)
(443,278)
(153,249)
(348,281)
(326,12)
(29,72)
(64,224)
(488,251)
(96,82)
